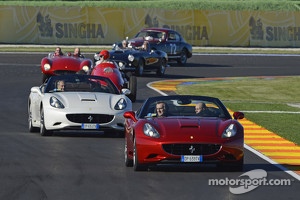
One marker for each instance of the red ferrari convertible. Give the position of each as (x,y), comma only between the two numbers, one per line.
(183,130)
(56,65)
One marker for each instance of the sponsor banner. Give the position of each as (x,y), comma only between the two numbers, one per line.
(104,26)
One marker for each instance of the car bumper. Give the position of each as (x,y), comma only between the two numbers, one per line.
(230,152)
(56,119)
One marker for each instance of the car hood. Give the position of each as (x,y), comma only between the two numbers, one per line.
(123,54)
(202,127)
(88,101)
(138,41)
(64,63)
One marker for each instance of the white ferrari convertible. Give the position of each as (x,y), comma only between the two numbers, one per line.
(77,102)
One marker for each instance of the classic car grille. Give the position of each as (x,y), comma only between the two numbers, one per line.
(89,118)
(191,149)
(61,72)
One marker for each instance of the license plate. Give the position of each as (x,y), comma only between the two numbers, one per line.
(189,158)
(90,126)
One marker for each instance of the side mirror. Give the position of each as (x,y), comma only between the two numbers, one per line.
(238,115)
(130,115)
(36,90)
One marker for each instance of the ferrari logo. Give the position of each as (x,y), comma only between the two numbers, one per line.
(192,149)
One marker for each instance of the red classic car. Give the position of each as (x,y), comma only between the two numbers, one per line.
(164,39)
(110,70)
(183,136)
(56,65)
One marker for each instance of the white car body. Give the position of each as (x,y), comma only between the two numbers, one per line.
(91,110)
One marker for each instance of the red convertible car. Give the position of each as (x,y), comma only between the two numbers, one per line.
(182,136)
(110,70)
(164,39)
(56,65)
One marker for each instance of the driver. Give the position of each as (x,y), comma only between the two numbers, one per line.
(103,57)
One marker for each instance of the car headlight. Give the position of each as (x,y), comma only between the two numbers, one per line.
(150,131)
(47,67)
(54,102)
(230,131)
(121,104)
(130,57)
(121,65)
(85,68)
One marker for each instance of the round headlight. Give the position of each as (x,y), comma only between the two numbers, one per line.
(47,66)
(130,57)
(85,68)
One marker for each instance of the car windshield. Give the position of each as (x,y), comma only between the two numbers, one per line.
(80,83)
(152,34)
(185,106)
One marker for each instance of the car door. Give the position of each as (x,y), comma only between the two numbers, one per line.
(172,44)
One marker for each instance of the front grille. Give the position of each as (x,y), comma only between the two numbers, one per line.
(62,72)
(89,118)
(191,149)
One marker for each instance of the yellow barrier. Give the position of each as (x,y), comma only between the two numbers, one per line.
(104,26)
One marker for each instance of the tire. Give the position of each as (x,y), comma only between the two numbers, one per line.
(43,130)
(183,57)
(162,68)
(136,165)
(45,77)
(132,88)
(30,127)
(128,162)
(140,68)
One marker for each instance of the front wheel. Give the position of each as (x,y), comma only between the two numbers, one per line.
(162,68)
(31,128)
(132,88)
(45,77)
(128,162)
(136,165)
(183,57)
(43,130)
(140,68)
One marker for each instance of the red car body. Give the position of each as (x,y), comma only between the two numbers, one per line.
(110,70)
(183,138)
(56,65)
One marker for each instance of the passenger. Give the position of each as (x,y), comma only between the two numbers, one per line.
(124,44)
(202,110)
(60,85)
(145,46)
(77,53)
(58,52)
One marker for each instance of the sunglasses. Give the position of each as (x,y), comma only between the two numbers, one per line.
(101,56)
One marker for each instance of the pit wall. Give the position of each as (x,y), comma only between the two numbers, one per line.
(104,26)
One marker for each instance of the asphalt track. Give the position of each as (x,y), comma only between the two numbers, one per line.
(88,166)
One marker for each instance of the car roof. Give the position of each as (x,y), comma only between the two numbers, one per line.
(157,29)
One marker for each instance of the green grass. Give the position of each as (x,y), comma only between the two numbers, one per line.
(275,5)
(257,94)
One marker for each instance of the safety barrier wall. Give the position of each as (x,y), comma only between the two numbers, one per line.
(104,26)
